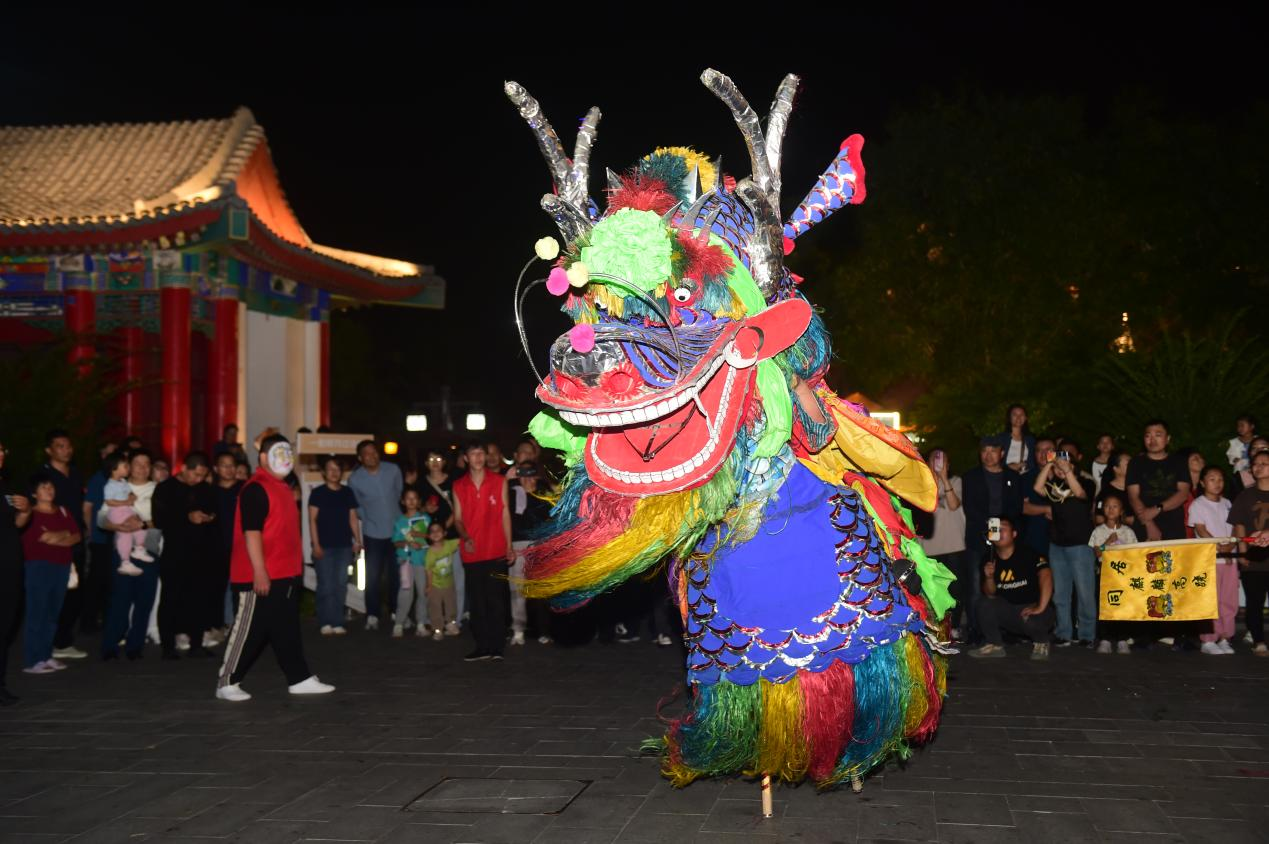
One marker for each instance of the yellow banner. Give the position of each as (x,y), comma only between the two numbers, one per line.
(1158,581)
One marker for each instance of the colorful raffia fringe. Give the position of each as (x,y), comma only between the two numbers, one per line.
(830,726)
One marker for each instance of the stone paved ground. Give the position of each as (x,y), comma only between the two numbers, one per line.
(417,746)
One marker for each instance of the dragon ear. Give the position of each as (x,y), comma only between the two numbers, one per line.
(775,329)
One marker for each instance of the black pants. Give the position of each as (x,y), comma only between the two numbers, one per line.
(179,609)
(73,604)
(96,585)
(266,620)
(1255,587)
(11,595)
(489,595)
(995,614)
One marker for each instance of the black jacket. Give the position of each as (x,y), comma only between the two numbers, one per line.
(974,499)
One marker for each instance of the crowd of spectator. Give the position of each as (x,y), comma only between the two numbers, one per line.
(1024,532)
(139,553)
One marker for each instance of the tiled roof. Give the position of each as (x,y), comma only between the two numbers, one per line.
(77,186)
(107,173)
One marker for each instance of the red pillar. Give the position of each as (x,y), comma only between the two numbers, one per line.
(79,306)
(174,333)
(323,409)
(222,369)
(131,373)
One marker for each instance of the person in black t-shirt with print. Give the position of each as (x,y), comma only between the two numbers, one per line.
(1017,596)
(1074,566)
(1158,485)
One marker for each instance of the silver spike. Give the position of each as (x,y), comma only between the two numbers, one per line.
(718,173)
(614,181)
(669,215)
(578,191)
(690,183)
(709,224)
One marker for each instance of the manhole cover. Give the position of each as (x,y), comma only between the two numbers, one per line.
(492,796)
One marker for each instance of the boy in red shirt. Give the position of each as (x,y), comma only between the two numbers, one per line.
(267,567)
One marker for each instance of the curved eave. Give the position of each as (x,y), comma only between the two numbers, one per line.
(262,247)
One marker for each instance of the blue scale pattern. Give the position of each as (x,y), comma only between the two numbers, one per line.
(816,589)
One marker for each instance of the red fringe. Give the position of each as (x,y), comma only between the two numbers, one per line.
(641,194)
(925,730)
(703,258)
(828,710)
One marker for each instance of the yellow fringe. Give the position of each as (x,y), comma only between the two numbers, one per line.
(782,750)
(918,695)
(656,521)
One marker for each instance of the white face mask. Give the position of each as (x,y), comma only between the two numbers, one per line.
(281,459)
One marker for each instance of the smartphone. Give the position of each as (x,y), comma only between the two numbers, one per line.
(993,529)
(1064,455)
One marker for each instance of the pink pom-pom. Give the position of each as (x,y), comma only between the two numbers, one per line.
(788,245)
(582,337)
(557,282)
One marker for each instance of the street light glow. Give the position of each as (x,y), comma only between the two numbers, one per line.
(475,421)
(416,422)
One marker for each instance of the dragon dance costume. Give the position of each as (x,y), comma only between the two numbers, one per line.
(689,403)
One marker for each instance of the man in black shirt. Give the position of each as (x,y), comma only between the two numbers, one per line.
(1250,520)
(1017,594)
(1070,498)
(185,510)
(988,490)
(1158,485)
(227,486)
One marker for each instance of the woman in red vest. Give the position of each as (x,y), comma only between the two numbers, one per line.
(267,567)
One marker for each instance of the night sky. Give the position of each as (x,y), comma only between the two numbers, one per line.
(392,136)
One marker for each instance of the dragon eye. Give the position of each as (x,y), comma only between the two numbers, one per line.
(682,295)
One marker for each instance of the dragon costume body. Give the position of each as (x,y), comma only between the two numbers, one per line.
(689,402)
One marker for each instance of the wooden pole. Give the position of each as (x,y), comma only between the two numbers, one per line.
(766,796)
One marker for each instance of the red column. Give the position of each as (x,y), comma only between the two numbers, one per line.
(131,373)
(222,369)
(174,333)
(323,401)
(79,306)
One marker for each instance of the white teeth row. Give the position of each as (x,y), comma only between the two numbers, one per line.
(647,412)
(686,466)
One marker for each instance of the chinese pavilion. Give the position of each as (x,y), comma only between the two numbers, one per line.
(171,248)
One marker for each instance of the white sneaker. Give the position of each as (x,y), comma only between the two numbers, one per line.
(451,628)
(1225,646)
(129,568)
(39,668)
(619,629)
(339,630)
(327,630)
(210,640)
(312,686)
(142,555)
(545,640)
(437,635)
(421,632)
(1260,650)
(1167,640)
(663,640)
(71,652)
(517,637)
(1105,647)
(182,642)
(234,693)
(55,664)
(397,631)
(372,622)
(1211,649)
(1122,647)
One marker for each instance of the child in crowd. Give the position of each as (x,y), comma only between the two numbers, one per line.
(409,535)
(1112,531)
(120,498)
(439,563)
(1209,516)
